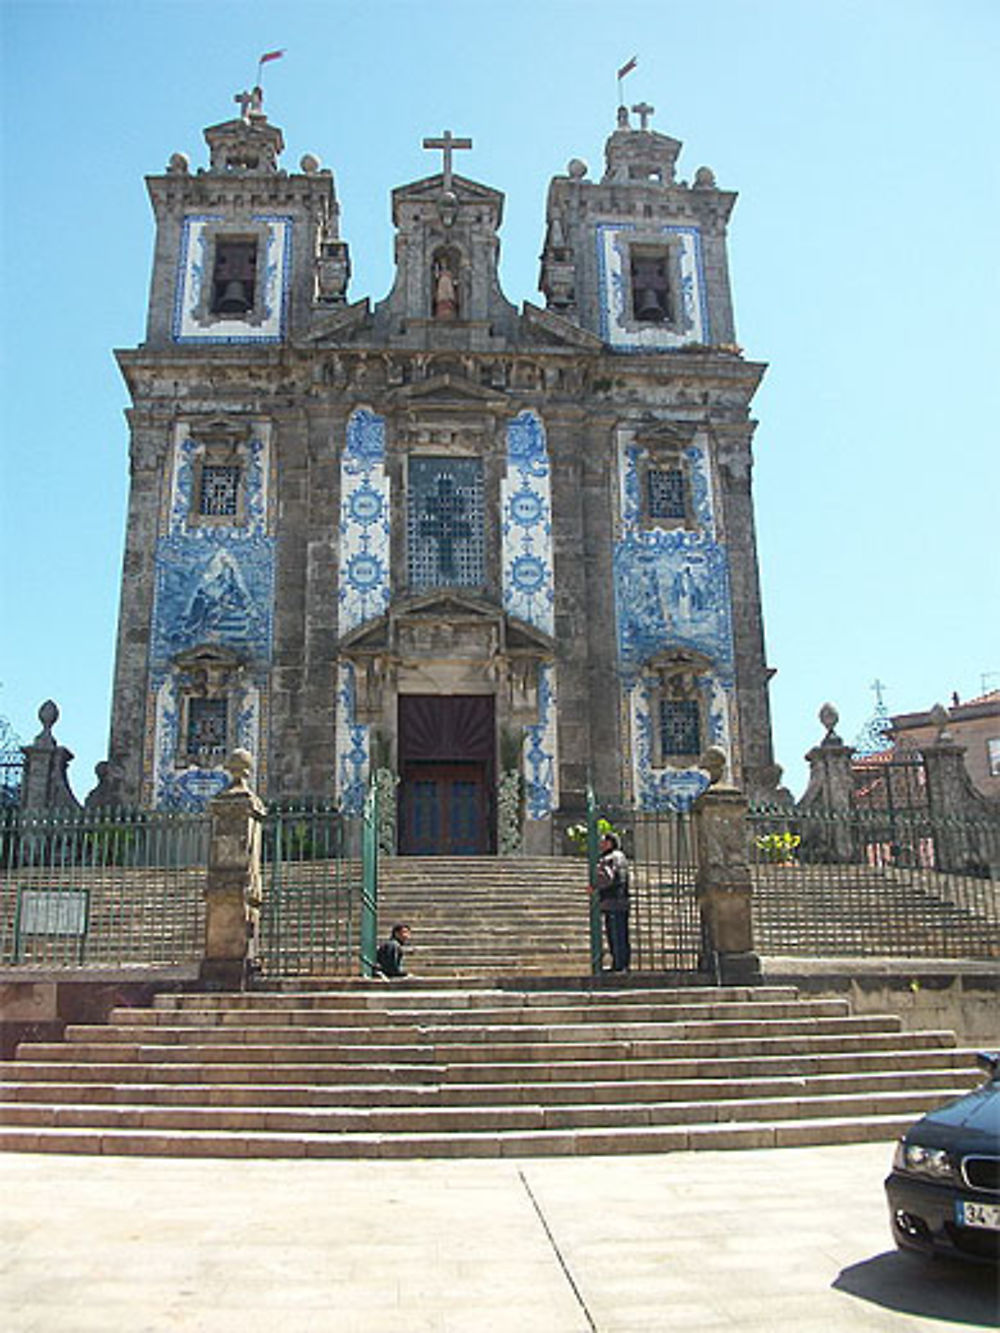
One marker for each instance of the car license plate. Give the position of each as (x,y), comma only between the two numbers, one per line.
(985,1215)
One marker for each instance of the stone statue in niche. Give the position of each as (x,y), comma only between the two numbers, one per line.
(445,290)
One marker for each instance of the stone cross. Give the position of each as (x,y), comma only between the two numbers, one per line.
(643,110)
(246,102)
(447,144)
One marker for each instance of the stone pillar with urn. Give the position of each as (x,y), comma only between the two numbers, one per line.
(724,886)
(233,885)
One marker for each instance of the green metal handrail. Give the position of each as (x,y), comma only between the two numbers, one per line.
(593,852)
(369,883)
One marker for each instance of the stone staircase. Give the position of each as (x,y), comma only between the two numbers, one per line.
(489,916)
(826,911)
(424,1069)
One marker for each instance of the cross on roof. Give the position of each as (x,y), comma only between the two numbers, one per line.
(447,144)
(643,110)
(878,686)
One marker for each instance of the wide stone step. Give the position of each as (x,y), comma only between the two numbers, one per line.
(325,1072)
(551,1052)
(421,1120)
(936,1080)
(512,1143)
(449,1038)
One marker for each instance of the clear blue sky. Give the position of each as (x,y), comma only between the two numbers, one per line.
(861,136)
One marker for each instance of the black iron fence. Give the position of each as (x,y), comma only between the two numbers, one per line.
(110,887)
(311,918)
(886,881)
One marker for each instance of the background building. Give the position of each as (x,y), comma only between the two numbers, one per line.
(440,534)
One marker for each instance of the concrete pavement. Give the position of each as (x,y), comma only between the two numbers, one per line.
(769,1241)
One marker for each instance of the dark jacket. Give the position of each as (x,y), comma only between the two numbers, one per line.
(612,881)
(389,959)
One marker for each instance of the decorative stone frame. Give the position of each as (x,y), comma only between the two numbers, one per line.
(658,245)
(677,676)
(219,444)
(257,233)
(665,449)
(206,672)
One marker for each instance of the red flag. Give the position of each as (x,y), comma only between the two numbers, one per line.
(628,67)
(271,55)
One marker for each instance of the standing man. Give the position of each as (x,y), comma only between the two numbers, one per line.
(613,898)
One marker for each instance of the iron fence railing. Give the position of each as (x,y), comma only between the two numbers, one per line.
(312,884)
(874,883)
(109,887)
(665,923)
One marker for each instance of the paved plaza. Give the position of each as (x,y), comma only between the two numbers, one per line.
(783,1239)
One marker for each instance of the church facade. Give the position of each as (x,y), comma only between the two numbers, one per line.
(472,544)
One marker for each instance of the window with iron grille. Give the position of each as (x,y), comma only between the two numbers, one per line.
(665,493)
(207,727)
(680,727)
(444,523)
(219,492)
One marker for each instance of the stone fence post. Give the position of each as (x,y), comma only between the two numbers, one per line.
(233,884)
(831,793)
(723,883)
(958,812)
(45,782)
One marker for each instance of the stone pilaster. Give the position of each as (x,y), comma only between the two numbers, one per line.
(233,887)
(724,886)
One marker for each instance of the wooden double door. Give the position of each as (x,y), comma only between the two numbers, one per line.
(447,765)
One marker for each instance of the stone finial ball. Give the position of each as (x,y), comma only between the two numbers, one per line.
(713,761)
(704,179)
(829,716)
(309,163)
(179,164)
(576,168)
(239,766)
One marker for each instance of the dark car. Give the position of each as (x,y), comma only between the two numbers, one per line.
(944,1190)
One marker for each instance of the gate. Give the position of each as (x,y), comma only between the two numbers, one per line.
(320,890)
(665,921)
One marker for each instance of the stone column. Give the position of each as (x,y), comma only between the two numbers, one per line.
(233,887)
(724,886)
(45,784)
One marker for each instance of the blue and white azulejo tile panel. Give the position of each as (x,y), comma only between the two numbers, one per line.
(192,320)
(626,334)
(672,594)
(189,786)
(364,522)
(526,525)
(541,772)
(352,747)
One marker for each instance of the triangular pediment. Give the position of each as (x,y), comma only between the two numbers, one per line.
(430,188)
(448,388)
(548,327)
(667,434)
(447,606)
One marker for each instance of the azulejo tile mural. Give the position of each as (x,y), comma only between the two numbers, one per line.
(214,588)
(364,522)
(528,589)
(617,327)
(192,319)
(671,596)
(352,746)
(526,525)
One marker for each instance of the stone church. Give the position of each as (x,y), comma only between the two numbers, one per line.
(478,545)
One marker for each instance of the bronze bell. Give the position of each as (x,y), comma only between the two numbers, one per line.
(235,298)
(650,305)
